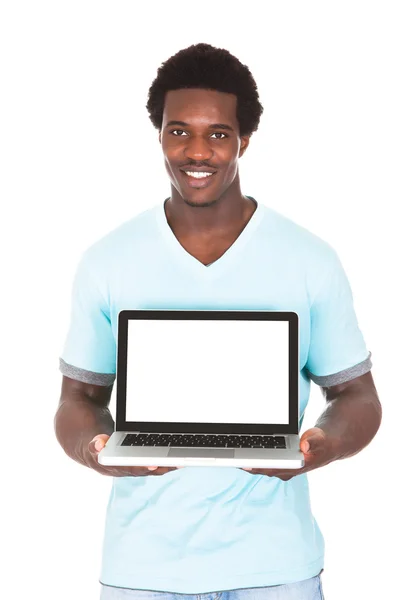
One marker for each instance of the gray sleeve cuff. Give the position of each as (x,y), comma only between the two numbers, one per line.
(342,376)
(106,379)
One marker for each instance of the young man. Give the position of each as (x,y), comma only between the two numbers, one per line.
(217,531)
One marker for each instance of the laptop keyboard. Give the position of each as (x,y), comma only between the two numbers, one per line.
(204,440)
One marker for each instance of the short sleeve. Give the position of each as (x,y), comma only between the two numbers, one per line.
(89,352)
(337,351)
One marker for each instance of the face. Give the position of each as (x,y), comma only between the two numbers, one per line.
(201,144)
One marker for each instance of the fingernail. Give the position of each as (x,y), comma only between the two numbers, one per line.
(98,445)
(152,468)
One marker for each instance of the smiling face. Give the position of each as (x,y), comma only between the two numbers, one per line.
(201,143)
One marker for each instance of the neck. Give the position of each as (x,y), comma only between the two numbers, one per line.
(226,214)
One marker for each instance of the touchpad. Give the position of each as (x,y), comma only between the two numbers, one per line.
(201,452)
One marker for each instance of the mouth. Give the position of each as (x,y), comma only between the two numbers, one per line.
(198,179)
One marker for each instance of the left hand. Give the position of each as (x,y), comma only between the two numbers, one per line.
(318,450)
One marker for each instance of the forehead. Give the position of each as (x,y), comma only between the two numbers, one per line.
(200,107)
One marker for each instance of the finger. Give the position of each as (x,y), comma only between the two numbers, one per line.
(140,470)
(161,471)
(282,475)
(268,472)
(310,460)
(313,458)
(311,446)
(286,476)
(98,442)
(312,440)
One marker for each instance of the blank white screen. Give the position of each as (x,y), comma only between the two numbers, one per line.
(208,371)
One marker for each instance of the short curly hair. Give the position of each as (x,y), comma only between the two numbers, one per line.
(203,66)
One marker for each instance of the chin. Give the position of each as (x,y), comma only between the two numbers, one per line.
(199,203)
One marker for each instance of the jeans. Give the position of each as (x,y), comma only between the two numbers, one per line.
(309,589)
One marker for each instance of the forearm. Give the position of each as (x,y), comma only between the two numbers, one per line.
(76,423)
(352,417)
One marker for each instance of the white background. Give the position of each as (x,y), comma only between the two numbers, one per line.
(195,380)
(79,156)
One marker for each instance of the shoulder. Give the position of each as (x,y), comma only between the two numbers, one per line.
(128,235)
(299,242)
(304,256)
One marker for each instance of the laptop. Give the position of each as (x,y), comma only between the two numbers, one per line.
(206,388)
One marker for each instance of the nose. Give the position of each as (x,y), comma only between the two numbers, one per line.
(197,148)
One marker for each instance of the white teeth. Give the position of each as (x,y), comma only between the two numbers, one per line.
(197,174)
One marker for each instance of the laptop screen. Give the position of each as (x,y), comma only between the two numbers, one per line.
(207,371)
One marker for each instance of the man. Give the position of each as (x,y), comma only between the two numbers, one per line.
(217,531)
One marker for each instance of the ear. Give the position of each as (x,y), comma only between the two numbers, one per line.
(244,142)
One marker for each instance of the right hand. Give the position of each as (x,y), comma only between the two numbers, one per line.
(98,443)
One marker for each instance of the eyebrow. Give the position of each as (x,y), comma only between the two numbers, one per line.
(213,126)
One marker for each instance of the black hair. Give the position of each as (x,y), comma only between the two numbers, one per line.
(203,66)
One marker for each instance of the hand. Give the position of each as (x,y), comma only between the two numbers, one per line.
(318,450)
(98,443)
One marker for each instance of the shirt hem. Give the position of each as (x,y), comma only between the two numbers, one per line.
(105,379)
(148,582)
(344,375)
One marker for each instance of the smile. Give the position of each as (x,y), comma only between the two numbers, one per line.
(197,174)
(198,179)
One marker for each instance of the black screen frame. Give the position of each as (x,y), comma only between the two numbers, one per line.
(291,317)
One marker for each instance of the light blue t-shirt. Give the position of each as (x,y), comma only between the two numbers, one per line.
(205,529)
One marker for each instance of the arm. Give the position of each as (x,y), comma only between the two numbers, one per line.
(348,424)
(83,422)
(352,416)
(82,414)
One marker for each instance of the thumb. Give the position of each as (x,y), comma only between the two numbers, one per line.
(312,440)
(98,442)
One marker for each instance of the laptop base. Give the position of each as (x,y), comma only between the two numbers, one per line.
(164,456)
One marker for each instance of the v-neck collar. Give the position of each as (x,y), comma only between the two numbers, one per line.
(215,268)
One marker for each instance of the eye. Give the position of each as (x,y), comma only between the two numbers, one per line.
(179,132)
(220,133)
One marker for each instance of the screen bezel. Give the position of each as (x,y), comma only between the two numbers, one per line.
(125,316)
